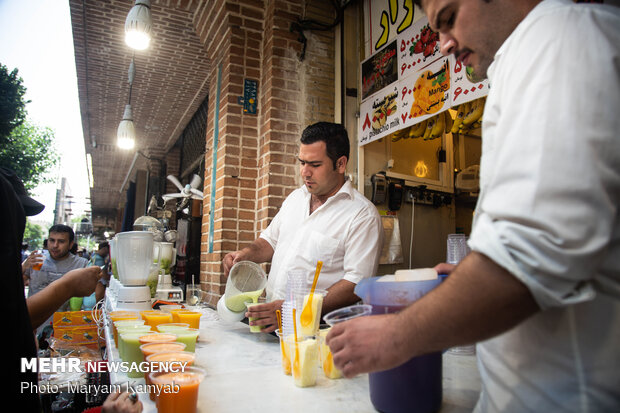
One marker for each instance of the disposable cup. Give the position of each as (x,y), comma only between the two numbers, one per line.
(312,303)
(155,318)
(190,317)
(188,337)
(130,329)
(326,357)
(164,360)
(175,314)
(183,394)
(284,354)
(158,338)
(254,329)
(347,313)
(167,308)
(304,356)
(124,323)
(130,352)
(152,348)
(122,315)
(172,327)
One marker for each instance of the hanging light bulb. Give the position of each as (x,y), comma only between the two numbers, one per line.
(126,132)
(138,25)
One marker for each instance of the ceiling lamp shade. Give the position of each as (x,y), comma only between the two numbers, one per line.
(138,25)
(126,133)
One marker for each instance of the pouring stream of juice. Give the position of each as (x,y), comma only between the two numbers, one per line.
(306,316)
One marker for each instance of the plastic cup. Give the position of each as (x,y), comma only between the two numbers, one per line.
(182,395)
(254,329)
(284,353)
(172,327)
(152,348)
(304,355)
(37,266)
(327,359)
(188,337)
(190,317)
(122,315)
(129,329)
(75,303)
(155,318)
(302,299)
(175,314)
(347,313)
(164,359)
(158,338)
(131,353)
(124,323)
(167,308)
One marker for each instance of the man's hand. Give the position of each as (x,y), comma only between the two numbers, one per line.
(121,402)
(82,282)
(35,257)
(229,260)
(266,315)
(366,344)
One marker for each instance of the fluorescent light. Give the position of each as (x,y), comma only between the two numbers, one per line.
(89,166)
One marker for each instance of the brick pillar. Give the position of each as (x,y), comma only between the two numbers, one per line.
(256,166)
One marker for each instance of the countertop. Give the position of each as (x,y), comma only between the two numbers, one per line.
(244,375)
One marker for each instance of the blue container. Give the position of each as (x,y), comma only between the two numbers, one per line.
(415,386)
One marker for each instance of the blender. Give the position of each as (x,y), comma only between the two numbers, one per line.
(134,255)
(164,259)
(246,282)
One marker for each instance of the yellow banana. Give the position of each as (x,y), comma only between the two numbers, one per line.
(475,113)
(461,111)
(429,127)
(448,121)
(418,129)
(440,124)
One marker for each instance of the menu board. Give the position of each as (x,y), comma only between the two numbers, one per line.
(409,81)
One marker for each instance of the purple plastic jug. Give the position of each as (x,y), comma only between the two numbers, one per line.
(415,386)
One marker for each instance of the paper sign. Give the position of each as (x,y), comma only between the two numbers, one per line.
(379,70)
(425,93)
(418,46)
(463,89)
(379,115)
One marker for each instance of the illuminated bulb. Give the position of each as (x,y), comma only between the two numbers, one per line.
(126,133)
(138,25)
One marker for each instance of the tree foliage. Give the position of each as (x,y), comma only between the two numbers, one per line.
(34,234)
(12,103)
(30,152)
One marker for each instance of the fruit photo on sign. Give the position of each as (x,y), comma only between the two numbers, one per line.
(427,43)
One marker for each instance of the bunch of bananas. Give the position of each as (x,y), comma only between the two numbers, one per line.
(468,116)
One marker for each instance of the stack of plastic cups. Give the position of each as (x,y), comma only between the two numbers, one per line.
(297,282)
(457,249)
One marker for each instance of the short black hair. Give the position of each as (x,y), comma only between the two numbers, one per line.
(63,228)
(333,134)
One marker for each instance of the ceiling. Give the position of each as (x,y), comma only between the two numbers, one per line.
(170,84)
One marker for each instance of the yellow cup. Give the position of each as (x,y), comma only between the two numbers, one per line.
(190,317)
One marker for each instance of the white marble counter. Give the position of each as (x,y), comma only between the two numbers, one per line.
(244,375)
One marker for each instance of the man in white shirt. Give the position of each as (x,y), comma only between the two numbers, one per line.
(540,291)
(327,220)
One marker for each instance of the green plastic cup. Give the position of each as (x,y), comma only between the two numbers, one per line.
(188,337)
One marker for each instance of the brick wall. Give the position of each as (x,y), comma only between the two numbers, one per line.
(256,165)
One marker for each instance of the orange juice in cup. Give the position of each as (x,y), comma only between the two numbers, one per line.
(155,318)
(179,392)
(190,317)
(160,347)
(165,358)
(175,314)
(158,338)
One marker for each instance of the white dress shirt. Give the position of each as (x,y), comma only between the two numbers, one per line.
(548,210)
(345,233)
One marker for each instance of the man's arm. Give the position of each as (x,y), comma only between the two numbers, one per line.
(258,251)
(339,295)
(76,283)
(478,300)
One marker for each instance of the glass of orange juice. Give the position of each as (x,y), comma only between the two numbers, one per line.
(179,392)
(155,318)
(190,317)
(165,357)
